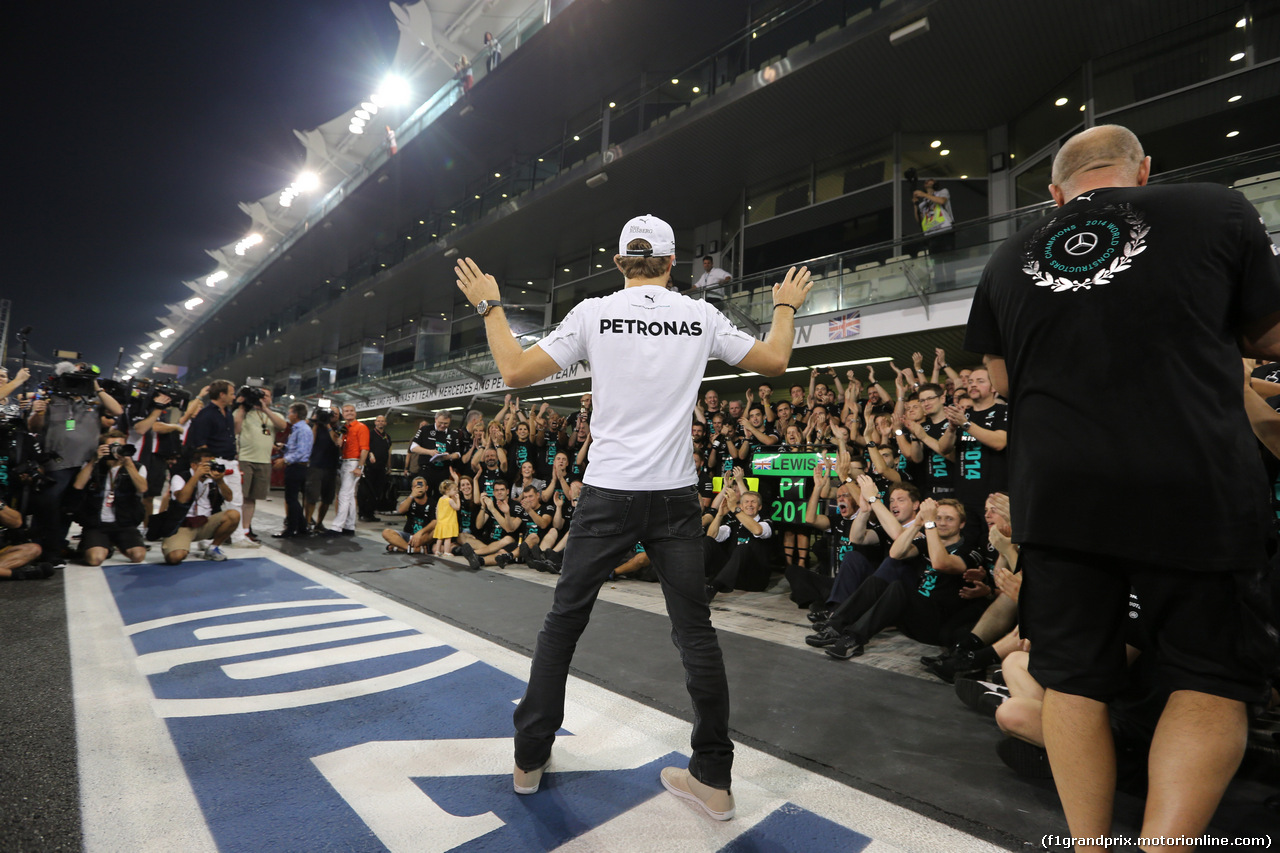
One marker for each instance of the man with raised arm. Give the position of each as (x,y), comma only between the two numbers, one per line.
(1122,275)
(641,484)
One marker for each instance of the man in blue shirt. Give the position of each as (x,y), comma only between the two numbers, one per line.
(297,453)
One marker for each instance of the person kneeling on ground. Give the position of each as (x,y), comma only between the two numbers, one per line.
(202,490)
(934,612)
(747,564)
(17,562)
(419,521)
(110,489)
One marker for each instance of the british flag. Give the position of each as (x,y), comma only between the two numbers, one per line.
(761,464)
(845,326)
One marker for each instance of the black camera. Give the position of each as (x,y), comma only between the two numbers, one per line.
(72,381)
(120,451)
(250,397)
(217,467)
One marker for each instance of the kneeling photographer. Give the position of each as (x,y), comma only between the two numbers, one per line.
(256,427)
(67,417)
(194,510)
(109,490)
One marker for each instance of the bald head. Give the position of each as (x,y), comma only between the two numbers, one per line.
(1104,156)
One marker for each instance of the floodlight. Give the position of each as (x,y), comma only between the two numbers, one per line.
(394,89)
(220,275)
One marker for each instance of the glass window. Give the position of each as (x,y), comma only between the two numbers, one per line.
(1184,57)
(778,197)
(1223,118)
(854,171)
(1032,184)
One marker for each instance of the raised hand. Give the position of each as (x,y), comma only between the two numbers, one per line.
(474,284)
(794,289)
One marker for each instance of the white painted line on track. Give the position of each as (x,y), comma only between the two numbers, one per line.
(121,735)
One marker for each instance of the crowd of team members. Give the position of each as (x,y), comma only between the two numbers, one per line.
(907,523)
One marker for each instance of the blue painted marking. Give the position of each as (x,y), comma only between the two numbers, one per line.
(253,773)
(567,804)
(792,828)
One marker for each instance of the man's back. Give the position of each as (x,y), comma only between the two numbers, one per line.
(640,440)
(1119,318)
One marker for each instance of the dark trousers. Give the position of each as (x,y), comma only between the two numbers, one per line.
(49,520)
(605,528)
(370,489)
(879,603)
(855,568)
(295,483)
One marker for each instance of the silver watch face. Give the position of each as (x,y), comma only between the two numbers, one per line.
(482,305)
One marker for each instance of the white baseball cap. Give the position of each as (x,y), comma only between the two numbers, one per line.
(653,229)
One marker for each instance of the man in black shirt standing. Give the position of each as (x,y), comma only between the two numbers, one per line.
(1074,314)
(936,443)
(981,436)
(373,484)
(215,428)
(441,448)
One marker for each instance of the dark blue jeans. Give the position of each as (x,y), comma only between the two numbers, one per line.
(605,528)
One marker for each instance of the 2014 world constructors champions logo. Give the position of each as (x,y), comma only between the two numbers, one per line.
(1078,251)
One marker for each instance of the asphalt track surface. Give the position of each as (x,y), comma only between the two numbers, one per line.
(126,732)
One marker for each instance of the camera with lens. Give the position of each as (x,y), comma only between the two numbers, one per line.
(71,380)
(250,397)
(217,468)
(179,397)
(121,451)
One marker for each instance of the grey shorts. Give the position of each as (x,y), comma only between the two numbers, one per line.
(321,483)
(256,477)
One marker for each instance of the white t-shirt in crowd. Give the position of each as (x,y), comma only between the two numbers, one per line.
(200,505)
(714,277)
(648,349)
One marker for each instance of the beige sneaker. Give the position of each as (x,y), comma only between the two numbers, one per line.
(527,781)
(716,803)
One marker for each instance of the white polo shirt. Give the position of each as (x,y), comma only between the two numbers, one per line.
(711,278)
(648,348)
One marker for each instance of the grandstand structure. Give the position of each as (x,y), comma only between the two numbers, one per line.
(768,134)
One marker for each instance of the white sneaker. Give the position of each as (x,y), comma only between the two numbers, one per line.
(527,781)
(716,803)
(244,543)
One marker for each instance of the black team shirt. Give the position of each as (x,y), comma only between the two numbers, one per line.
(1089,307)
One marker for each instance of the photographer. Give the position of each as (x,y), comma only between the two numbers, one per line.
(68,423)
(255,426)
(159,443)
(214,427)
(355,453)
(110,489)
(322,470)
(204,492)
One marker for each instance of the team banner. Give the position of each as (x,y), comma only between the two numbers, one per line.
(787,464)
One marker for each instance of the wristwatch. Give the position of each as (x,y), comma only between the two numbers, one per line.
(484,306)
(929,525)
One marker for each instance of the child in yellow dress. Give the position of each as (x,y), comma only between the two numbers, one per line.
(446,518)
